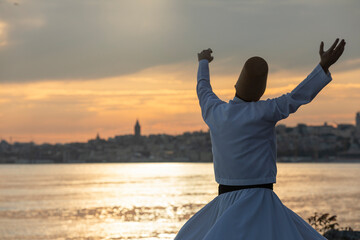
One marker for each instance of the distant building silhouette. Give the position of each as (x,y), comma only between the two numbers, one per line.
(358,121)
(137,129)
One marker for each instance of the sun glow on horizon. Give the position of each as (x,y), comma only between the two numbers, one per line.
(163,98)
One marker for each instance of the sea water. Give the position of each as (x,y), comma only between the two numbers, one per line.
(150,200)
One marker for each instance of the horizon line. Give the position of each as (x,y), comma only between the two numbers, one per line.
(332,124)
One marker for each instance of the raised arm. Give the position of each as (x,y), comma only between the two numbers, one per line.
(207,98)
(281,107)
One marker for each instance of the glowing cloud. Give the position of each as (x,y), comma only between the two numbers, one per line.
(3,34)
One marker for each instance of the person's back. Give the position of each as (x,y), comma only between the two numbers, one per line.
(243,143)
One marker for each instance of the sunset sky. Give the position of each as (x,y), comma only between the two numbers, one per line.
(72,69)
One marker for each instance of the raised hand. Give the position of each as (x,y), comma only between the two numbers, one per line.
(329,57)
(206,54)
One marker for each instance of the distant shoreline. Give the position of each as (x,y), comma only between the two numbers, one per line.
(146,161)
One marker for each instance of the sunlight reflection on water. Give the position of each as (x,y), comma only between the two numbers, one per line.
(149,200)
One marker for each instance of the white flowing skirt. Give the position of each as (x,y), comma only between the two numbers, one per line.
(248,214)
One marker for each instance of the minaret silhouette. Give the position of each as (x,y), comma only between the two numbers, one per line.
(137,128)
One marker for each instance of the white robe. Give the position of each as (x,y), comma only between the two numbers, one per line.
(244,153)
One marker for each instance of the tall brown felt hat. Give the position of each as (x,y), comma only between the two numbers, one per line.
(252,80)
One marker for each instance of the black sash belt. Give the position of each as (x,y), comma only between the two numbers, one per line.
(226,188)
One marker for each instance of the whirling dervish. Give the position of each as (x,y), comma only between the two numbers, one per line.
(244,154)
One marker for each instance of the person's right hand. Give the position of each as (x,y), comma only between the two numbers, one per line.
(329,57)
(206,54)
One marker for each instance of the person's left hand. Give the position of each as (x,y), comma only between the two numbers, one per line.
(206,54)
(330,57)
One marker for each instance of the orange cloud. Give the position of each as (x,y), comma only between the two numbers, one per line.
(163,98)
(3,33)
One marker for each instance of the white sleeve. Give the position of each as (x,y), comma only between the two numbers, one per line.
(281,107)
(207,98)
